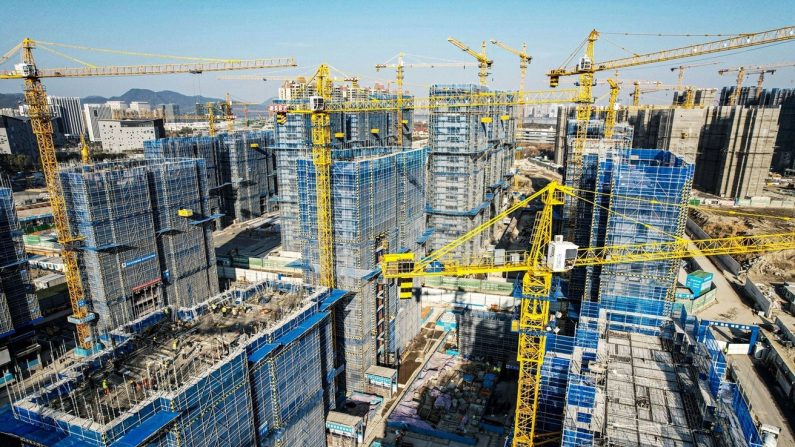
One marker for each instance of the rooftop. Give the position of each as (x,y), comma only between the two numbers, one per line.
(166,351)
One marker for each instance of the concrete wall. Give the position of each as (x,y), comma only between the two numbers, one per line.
(731,146)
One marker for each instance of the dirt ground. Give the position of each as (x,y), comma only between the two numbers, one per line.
(769,267)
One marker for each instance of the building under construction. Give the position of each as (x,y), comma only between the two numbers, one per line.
(731,147)
(250,366)
(377,198)
(19,307)
(146,236)
(471,152)
(240,167)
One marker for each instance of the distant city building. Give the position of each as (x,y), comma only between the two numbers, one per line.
(120,136)
(140,106)
(93,113)
(117,105)
(170,112)
(9,111)
(532,133)
(69,109)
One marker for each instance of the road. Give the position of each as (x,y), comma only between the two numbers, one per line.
(728,302)
(377,426)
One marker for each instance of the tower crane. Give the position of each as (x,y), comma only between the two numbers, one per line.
(320,106)
(742,72)
(587,67)
(524,61)
(211,129)
(610,114)
(484,63)
(548,255)
(681,75)
(688,90)
(36,99)
(531,353)
(400,67)
(229,116)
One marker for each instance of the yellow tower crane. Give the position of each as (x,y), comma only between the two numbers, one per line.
(400,67)
(484,63)
(742,72)
(610,114)
(546,256)
(681,72)
(524,61)
(688,90)
(36,99)
(211,129)
(587,67)
(85,153)
(319,107)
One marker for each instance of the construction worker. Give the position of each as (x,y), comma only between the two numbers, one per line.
(105,388)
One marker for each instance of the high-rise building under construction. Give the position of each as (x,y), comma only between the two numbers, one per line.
(471,152)
(18,305)
(146,239)
(240,168)
(377,201)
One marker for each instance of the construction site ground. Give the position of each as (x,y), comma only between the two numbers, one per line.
(767,268)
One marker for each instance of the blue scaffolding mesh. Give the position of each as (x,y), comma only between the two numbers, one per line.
(137,254)
(240,170)
(264,386)
(471,155)
(377,197)
(19,307)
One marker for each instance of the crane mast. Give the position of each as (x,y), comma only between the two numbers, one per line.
(484,63)
(321,157)
(41,121)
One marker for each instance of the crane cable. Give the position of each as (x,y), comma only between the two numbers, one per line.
(135,53)
(66,56)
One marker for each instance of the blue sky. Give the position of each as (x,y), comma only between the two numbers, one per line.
(353,36)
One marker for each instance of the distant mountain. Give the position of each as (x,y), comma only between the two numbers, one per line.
(10,99)
(186,103)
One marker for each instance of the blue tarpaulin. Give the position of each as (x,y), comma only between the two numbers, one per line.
(148,429)
(32,434)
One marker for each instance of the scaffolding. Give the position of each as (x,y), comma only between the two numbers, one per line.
(245,367)
(471,155)
(639,297)
(19,307)
(377,201)
(137,254)
(486,335)
(240,170)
